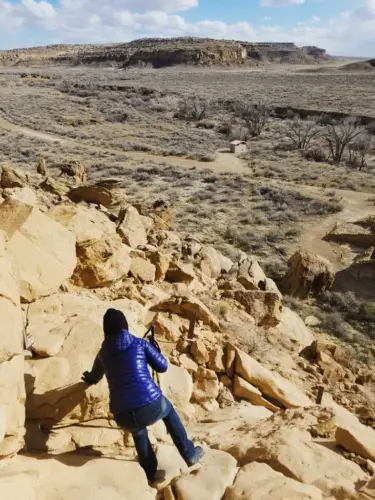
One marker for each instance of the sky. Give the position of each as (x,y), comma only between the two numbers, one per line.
(343,27)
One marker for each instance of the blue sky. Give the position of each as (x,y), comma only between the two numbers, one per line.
(344,27)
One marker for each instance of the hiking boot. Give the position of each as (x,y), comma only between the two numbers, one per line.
(199,454)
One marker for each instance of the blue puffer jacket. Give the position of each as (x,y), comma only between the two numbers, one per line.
(123,358)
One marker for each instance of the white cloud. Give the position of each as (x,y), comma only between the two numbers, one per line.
(280,3)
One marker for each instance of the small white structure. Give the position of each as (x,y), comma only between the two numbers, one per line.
(238,147)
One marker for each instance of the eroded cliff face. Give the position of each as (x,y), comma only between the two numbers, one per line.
(160,53)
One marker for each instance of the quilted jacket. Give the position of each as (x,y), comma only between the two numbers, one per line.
(124,359)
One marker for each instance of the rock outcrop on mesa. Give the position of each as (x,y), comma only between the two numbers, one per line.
(159,53)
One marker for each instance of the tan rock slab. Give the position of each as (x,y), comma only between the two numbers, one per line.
(308,275)
(179,272)
(185,305)
(177,385)
(269,383)
(131,227)
(260,482)
(45,254)
(264,307)
(217,472)
(142,269)
(244,390)
(292,327)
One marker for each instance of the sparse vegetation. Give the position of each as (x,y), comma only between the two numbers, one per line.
(193,108)
(340,136)
(301,132)
(255,115)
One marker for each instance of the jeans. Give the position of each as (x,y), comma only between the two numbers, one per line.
(136,421)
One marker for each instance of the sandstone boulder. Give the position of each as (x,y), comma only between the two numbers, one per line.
(292,327)
(52,186)
(251,275)
(269,383)
(352,435)
(285,444)
(199,352)
(102,258)
(258,481)
(330,369)
(217,360)
(188,363)
(217,472)
(12,387)
(178,272)
(74,478)
(11,178)
(245,390)
(161,261)
(142,269)
(308,275)
(264,307)
(360,233)
(185,305)
(45,254)
(13,214)
(166,328)
(177,385)
(131,228)
(98,193)
(210,262)
(206,387)
(223,426)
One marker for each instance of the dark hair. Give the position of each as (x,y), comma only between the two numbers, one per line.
(114,321)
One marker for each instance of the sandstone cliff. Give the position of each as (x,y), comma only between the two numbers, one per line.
(159,53)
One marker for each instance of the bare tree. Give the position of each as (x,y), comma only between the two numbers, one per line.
(255,115)
(340,135)
(358,152)
(193,108)
(301,132)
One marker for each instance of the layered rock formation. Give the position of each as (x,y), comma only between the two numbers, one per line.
(160,53)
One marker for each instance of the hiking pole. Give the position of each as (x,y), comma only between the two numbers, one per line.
(150,337)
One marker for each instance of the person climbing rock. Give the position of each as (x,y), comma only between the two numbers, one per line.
(136,401)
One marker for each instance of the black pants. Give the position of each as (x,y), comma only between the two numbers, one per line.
(136,421)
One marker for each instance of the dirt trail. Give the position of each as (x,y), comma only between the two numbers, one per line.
(224,162)
(356,204)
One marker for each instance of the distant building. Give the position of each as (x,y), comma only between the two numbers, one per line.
(237,147)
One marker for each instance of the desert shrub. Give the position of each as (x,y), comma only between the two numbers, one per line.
(255,115)
(301,132)
(207,124)
(193,108)
(315,154)
(358,152)
(202,156)
(335,323)
(325,120)
(275,269)
(225,128)
(340,136)
(117,117)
